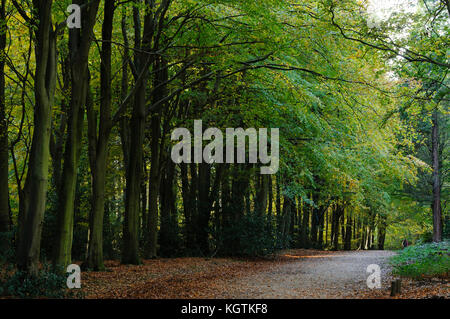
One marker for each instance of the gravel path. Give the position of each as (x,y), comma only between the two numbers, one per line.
(312,274)
(297,273)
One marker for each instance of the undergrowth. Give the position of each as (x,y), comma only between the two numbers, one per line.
(423,261)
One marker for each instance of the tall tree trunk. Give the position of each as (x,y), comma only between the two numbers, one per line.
(204,208)
(124,129)
(270,199)
(193,194)
(436,206)
(154,184)
(31,212)
(286,221)
(240,183)
(292,219)
(161,77)
(262,193)
(321,227)
(278,195)
(142,60)
(343,229)
(305,227)
(144,198)
(79,44)
(362,238)
(336,218)
(58,133)
(130,250)
(314,225)
(370,238)
(326,227)
(348,233)
(66,197)
(315,211)
(381,232)
(332,217)
(248,197)
(226,201)
(98,167)
(4,190)
(367,237)
(187,206)
(270,214)
(168,212)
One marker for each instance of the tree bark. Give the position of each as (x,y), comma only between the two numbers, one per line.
(270,195)
(336,218)
(168,212)
(57,136)
(321,227)
(98,167)
(154,184)
(239,186)
(315,211)
(130,250)
(4,171)
(326,227)
(32,208)
(204,208)
(436,206)
(226,199)
(262,194)
(348,233)
(142,61)
(79,44)
(161,77)
(305,227)
(381,232)
(187,206)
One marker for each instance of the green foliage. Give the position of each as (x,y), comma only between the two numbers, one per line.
(112,226)
(46,284)
(446,233)
(255,236)
(49,227)
(426,260)
(170,241)
(252,236)
(426,237)
(7,255)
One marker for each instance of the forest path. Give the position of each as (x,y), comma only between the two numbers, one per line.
(296,273)
(321,274)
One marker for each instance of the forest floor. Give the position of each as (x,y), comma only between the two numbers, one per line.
(295,273)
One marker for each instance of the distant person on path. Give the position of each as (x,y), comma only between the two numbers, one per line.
(405,243)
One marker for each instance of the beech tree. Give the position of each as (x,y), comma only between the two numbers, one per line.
(32,208)
(4,160)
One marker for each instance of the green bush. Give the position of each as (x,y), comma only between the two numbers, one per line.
(253,236)
(46,284)
(426,237)
(446,232)
(170,243)
(426,260)
(256,237)
(7,255)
